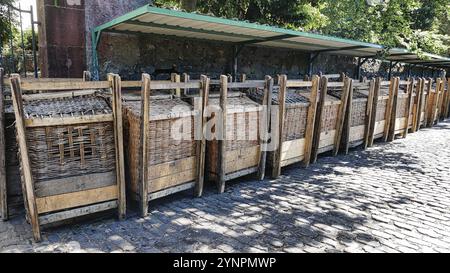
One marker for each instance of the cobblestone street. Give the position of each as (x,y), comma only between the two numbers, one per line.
(390,198)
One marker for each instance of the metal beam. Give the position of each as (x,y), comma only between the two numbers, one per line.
(269,39)
(312,57)
(341,49)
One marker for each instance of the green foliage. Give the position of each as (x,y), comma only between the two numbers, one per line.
(419,25)
(4,21)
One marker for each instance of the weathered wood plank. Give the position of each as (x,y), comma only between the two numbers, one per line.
(74,184)
(240,173)
(277,132)
(75,199)
(264,125)
(201,131)
(55,121)
(310,120)
(409,107)
(143,149)
(27,178)
(345,138)
(372,124)
(342,115)
(64,85)
(69,214)
(369,113)
(171,180)
(318,120)
(168,168)
(169,191)
(222,164)
(119,148)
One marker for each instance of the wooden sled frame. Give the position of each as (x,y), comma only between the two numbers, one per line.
(303,155)
(78,203)
(226,83)
(147,85)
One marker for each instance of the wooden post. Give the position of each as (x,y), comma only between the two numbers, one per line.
(265,122)
(389,108)
(318,119)
(409,106)
(186,79)
(276,171)
(416,108)
(118,136)
(373,116)
(143,149)
(345,140)
(3,190)
(447,101)
(393,117)
(27,177)
(222,141)
(200,139)
(427,103)
(369,113)
(309,133)
(87,77)
(434,103)
(342,114)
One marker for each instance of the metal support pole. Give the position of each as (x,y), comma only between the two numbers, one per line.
(409,71)
(11,45)
(235,61)
(24,57)
(390,71)
(312,57)
(33,41)
(358,69)
(95,72)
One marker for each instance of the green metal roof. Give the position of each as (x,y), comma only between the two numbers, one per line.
(153,20)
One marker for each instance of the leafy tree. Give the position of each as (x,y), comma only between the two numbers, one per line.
(419,25)
(4,21)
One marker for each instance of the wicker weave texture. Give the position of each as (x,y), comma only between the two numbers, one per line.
(162,147)
(65,151)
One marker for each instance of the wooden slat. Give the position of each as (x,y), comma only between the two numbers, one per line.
(242,159)
(54,121)
(318,119)
(169,191)
(200,139)
(277,132)
(372,122)
(342,115)
(345,138)
(64,85)
(297,83)
(174,85)
(69,214)
(55,95)
(389,108)
(27,178)
(247,84)
(310,120)
(174,179)
(168,168)
(119,148)
(75,199)
(222,142)
(416,108)
(369,113)
(409,106)
(240,173)
(293,149)
(74,184)
(265,125)
(393,117)
(3,191)
(427,102)
(143,148)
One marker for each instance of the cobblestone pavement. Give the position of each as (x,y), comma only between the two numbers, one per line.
(390,198)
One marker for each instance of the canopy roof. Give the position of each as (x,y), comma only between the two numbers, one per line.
(153,20)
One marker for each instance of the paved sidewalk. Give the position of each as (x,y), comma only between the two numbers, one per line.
(390,198)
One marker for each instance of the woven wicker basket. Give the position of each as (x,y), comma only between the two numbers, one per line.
(163,150)
(358,110)
(296,132)
(163,156)
(70,149)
